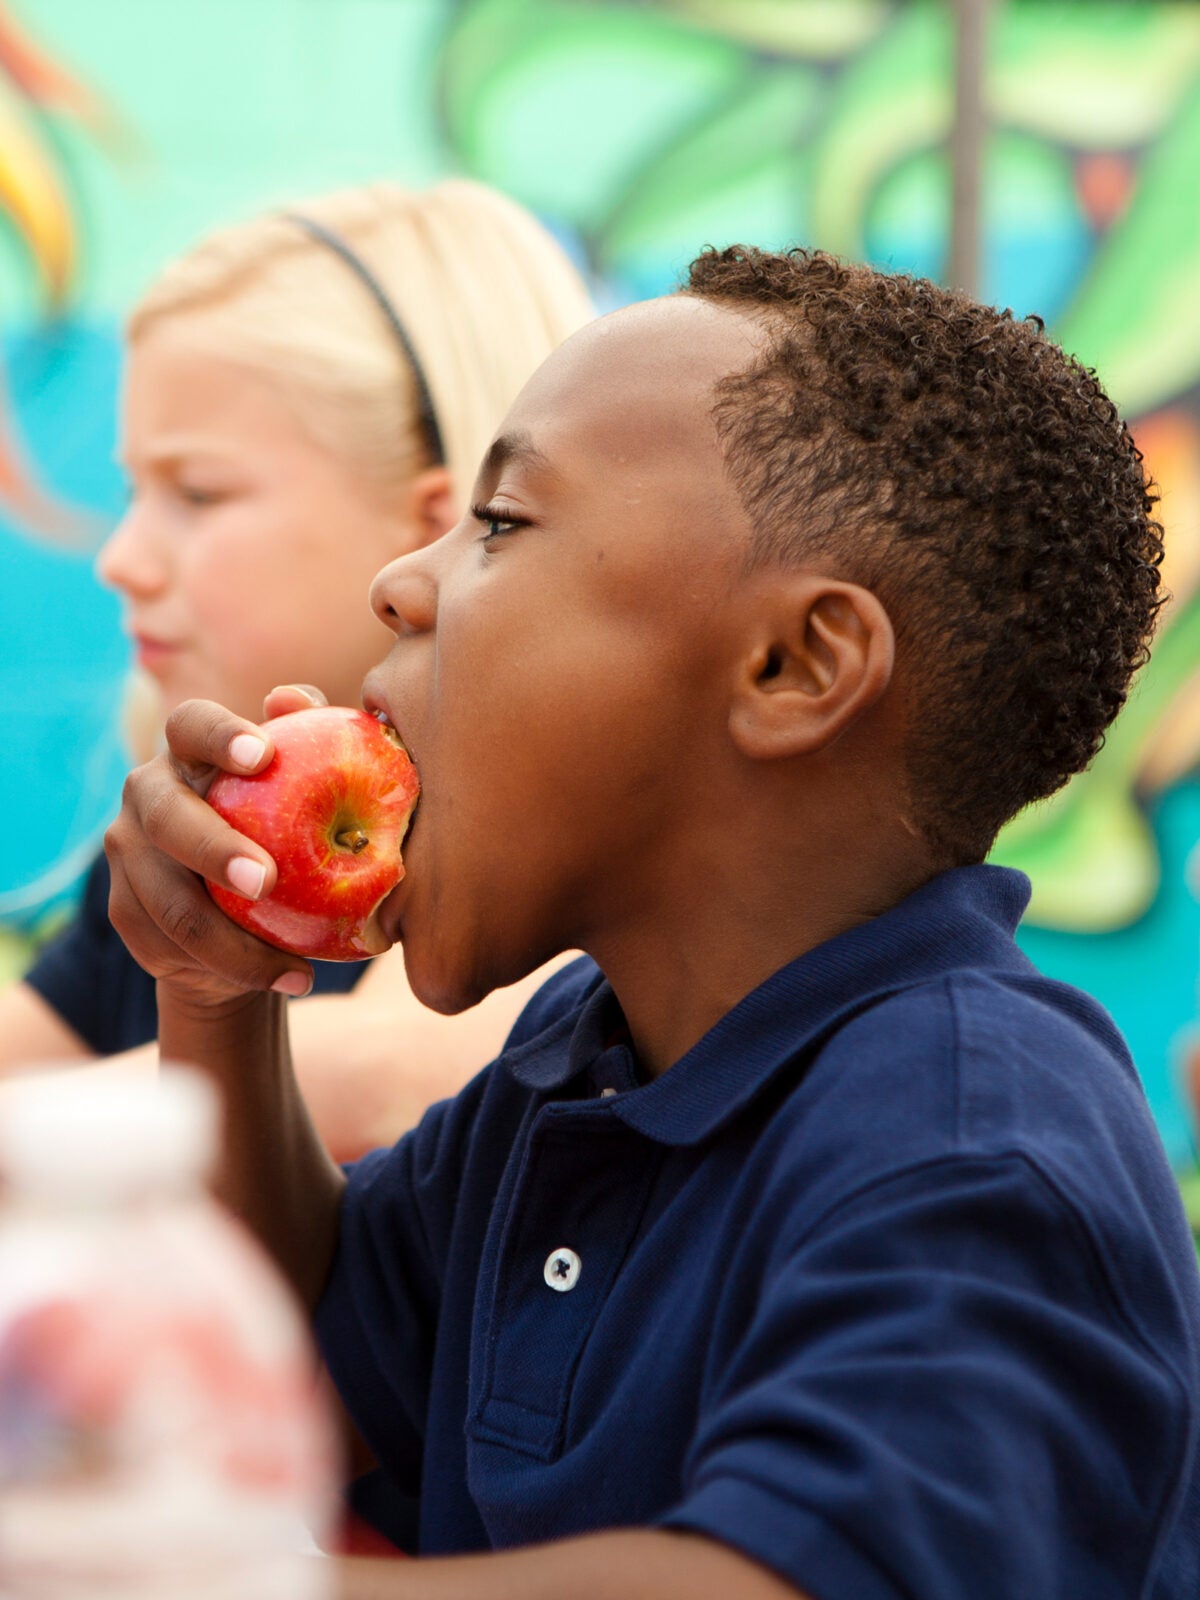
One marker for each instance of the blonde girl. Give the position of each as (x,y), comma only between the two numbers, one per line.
(307,396)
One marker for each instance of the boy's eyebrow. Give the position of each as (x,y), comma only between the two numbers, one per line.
(517,447)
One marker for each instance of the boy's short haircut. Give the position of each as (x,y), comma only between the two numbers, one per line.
(979,481)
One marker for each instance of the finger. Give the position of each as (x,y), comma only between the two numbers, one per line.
(161,808)
(289,697)
(176,932)
(203,737)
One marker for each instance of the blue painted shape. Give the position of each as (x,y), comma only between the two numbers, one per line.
(1036,270)
(1146,974)
(1037,243)
(63,658)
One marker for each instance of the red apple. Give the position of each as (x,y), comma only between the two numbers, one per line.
(331,809)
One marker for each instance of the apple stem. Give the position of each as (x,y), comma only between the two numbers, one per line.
(353,839)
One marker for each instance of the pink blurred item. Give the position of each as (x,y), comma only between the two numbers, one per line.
(160,1429)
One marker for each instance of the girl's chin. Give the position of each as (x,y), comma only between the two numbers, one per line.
(174,691)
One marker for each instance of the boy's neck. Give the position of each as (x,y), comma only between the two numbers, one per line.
(734,916)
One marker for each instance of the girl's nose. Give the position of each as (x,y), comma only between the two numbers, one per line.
(130,560)
(404,594)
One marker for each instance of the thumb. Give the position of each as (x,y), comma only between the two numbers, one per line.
(289,697)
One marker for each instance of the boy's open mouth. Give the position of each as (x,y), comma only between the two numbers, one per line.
(389,727)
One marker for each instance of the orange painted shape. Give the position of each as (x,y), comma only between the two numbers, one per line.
(1105,184)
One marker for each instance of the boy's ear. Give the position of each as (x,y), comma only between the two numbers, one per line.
(429,506)
(821,654)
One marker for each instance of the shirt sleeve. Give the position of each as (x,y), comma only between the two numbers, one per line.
(940,1393)
(88,977)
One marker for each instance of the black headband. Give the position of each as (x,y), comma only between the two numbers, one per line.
(333,241)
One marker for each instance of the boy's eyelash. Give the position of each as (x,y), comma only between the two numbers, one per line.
(495,514)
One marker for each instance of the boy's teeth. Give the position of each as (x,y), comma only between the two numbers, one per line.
(389,728)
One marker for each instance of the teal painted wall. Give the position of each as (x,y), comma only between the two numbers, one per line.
(639,131)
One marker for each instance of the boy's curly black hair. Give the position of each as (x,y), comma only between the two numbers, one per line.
(953,460)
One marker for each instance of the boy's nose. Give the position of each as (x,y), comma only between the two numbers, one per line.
(127,560)
(404,595)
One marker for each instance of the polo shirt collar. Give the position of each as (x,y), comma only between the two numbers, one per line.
(963,918)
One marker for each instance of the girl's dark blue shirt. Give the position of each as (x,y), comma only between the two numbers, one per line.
(88,977)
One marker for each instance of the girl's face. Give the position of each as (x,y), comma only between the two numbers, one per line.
(248,550)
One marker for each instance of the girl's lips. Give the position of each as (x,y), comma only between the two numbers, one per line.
(153,653)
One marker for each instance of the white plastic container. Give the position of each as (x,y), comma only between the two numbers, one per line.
(160,1430)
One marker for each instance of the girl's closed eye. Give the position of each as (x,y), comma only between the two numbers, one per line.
(196,494)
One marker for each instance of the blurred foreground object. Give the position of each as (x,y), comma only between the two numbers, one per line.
(160,1432)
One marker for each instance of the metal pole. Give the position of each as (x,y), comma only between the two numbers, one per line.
(966,143)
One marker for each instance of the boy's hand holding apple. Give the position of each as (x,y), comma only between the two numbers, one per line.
(167,839)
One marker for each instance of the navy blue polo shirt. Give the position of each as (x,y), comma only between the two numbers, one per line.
(885,1283)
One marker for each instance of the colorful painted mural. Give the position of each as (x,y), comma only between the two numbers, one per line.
(639,131)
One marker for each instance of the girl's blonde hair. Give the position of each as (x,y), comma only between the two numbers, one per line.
(482,289)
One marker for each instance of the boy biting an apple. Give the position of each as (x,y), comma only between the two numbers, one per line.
(804,1240)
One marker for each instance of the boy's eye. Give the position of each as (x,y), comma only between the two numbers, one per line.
(495,523)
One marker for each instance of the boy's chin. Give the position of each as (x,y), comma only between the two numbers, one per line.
(443,985)
(450,982)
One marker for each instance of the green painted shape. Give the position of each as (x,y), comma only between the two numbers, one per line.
(1089,855)
(17,951)
(1088,849)
(894,100)
(564,104)
(1189,1192)
(913,199)
(1136,318)
(763,207)
(1091,76)
(818,30)
(739,177)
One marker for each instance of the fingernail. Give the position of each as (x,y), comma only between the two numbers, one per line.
(246,749)
(296,984)
(246,876)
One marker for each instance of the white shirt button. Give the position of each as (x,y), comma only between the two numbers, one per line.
(607,1094)
(562,1268)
